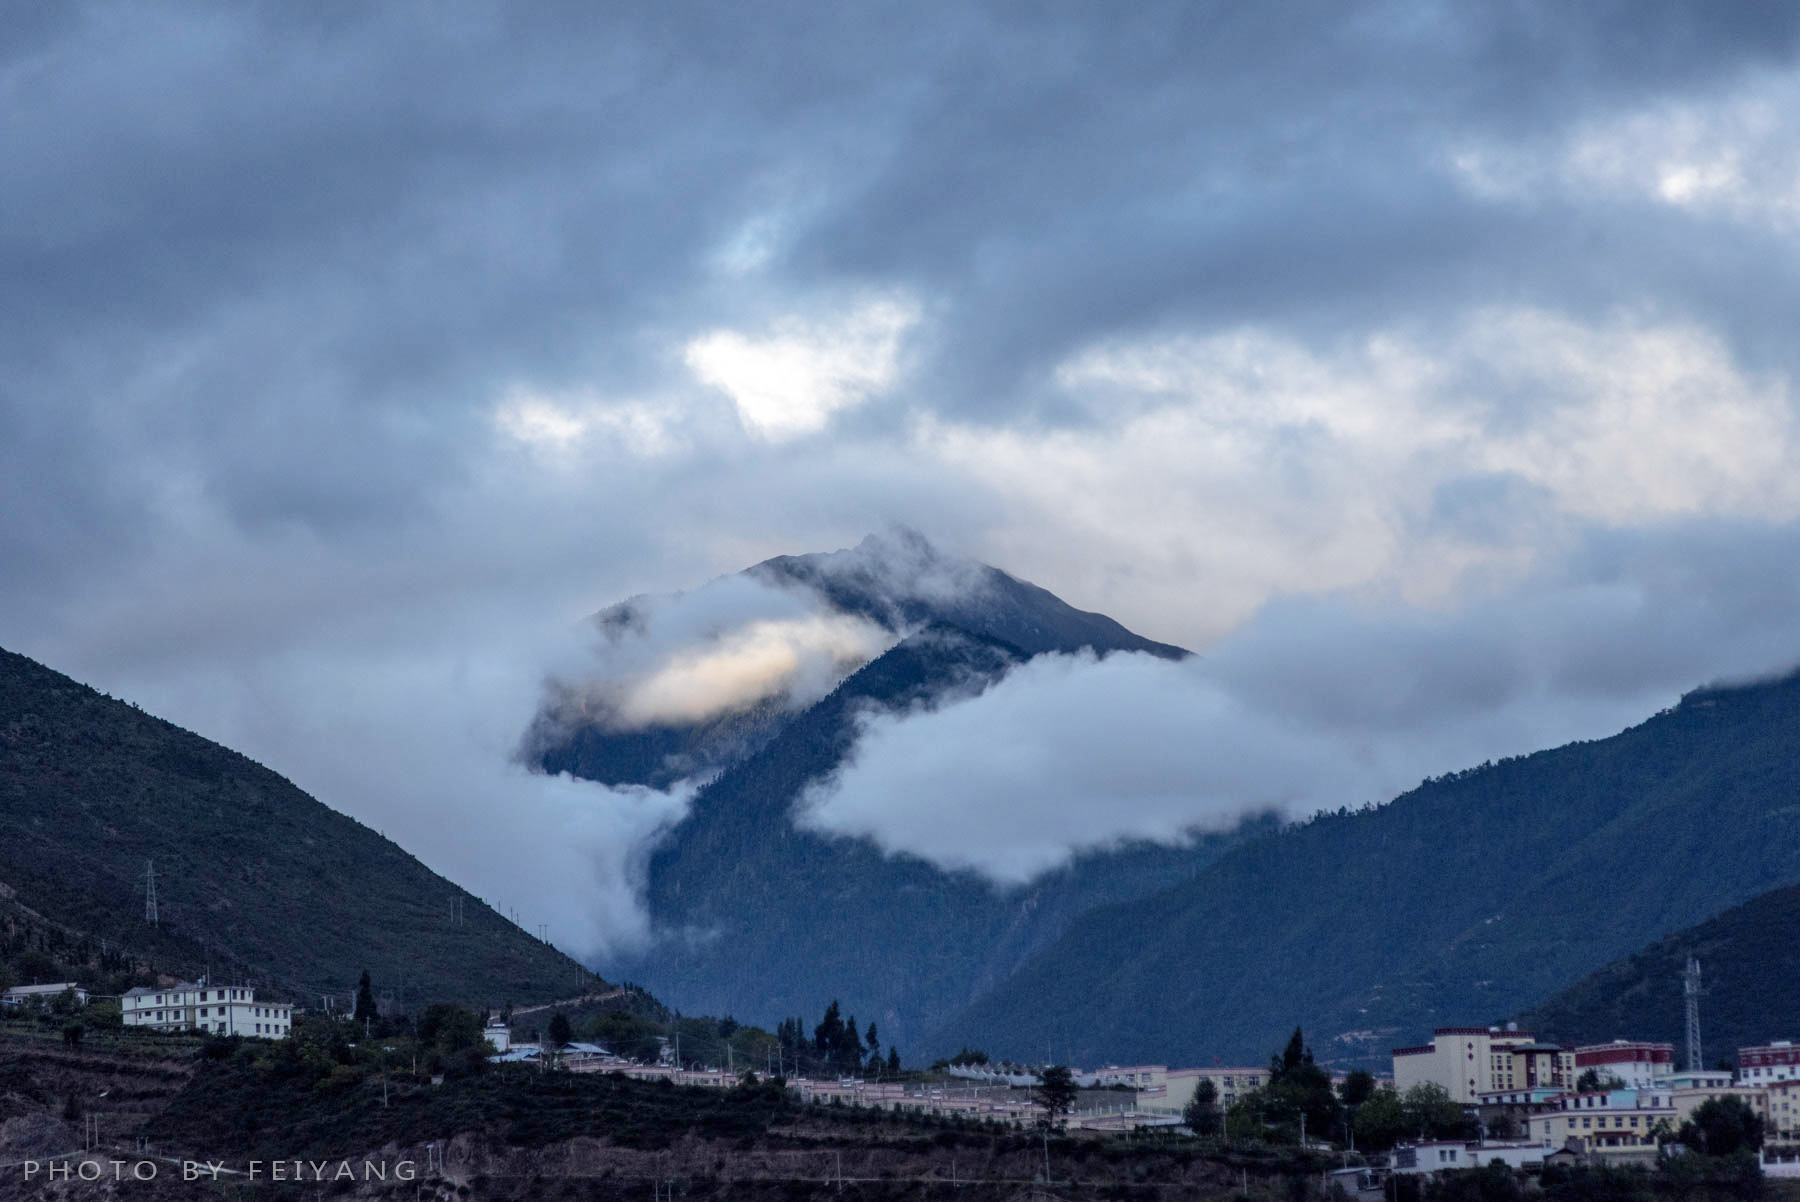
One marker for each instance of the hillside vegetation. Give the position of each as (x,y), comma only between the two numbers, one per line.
(255,880)
(1750,973)
(1463,901)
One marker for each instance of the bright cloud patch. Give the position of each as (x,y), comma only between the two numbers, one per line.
(1736,157)
(800,658)
(791,381)
(728,646)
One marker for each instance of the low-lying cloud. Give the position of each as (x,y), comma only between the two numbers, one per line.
(1316,704)
(733,644)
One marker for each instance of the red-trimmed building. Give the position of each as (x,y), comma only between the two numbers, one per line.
(1636,1063)
(1778,1061)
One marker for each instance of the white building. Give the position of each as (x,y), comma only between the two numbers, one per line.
(498,1034)
(219,1009)
(23,995)
(1437,1156)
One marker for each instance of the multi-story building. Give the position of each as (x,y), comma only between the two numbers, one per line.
(1778,1061)
(1617,1118)
(1635,1063)
(1468,1061)
(1230,1084)
(1783,1101)
(221,1010)
(1689,1095)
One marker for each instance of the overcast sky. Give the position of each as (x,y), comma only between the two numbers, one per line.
(1429,367)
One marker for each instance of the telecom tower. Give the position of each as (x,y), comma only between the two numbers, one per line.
(1690,991)
(150,892)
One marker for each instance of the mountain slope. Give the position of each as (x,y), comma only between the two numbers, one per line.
(896,580)
(899,580)
(1750,969)
(1462,901)
(274,886)
(765,918)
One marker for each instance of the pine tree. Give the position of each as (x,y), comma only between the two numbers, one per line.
(893,1062)
(365,1000)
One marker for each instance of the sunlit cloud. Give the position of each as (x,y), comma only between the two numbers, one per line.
(790,381)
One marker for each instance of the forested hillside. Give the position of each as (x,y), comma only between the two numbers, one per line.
(1463,901)
(1750,972)
(762,918)
(255,879)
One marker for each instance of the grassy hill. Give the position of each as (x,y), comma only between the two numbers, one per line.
(1463,901)
(255,879)
(1750,972)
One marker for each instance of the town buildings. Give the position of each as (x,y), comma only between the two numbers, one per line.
(220,1010)
(1512,1082)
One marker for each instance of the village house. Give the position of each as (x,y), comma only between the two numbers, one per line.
(43,995)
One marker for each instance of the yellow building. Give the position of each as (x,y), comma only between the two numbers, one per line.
(1231,1083)
(1468,1061)
(1619,1118)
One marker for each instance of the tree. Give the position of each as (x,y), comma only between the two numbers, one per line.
(449,1028)
(1593,1081)
(1201,1114)
(1722,1126)
(1433,1113)
(1055,1092)
(1290,1057)
(893,1062)
(1358,1085)
(560,1033)
(1381,1121)
(365,999)
(1299,1091)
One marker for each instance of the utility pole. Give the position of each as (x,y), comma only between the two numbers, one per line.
(150,892)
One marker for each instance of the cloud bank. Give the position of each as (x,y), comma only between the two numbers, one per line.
(1314,704)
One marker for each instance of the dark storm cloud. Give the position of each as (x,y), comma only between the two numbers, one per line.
(351,354)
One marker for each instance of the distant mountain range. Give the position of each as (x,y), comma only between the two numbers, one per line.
(1750,985)
(255,880)
(1467,900)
